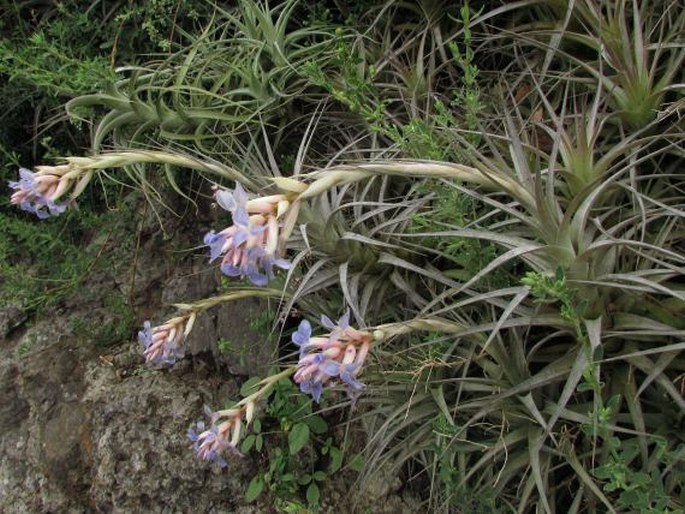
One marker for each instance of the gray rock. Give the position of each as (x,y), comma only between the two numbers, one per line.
(81,434)
(11,317)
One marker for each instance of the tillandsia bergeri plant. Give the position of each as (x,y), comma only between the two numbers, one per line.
(508,257)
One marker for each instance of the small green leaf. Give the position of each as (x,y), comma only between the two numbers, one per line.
(284,383)
(304,479)
(259,443)
(298,437)
(248,442)
(614,402)
(319,476)
(336,459)
(559,275)
(254,489)
(288,477)
(584,386)
(317,424)
(356,463)
(313,494)
(256,426)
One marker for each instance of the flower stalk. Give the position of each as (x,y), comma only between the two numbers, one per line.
(336,356)
(325,179)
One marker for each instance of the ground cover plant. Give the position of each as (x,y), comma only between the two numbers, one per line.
(488,198)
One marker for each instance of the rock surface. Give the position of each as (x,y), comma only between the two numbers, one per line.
(92,431)
(90,428)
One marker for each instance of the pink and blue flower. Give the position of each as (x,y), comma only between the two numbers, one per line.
(248,247)
(37,193)
(339,356)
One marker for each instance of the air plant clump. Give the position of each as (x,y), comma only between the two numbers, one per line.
(523,390)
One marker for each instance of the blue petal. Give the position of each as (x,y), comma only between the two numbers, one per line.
(317,389)
(327,323)
(282,263)
(241,217)
(210,237)
(226,200)
(312,387)
(351,381)
(240,195)
(145,335)
(257,278)
(344,322)
(216,244)
(230,270)
(330,368)
(27,175)
(56,208)
(304,332)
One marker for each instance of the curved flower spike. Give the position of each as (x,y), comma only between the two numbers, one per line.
(222,438)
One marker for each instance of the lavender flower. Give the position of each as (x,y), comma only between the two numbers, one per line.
(301,336)
(313,388)
(343,322)
(232,201)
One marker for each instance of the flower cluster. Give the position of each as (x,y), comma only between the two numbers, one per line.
(219,439)
(163,344)
(341,355)
(249,247)
(39,192)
